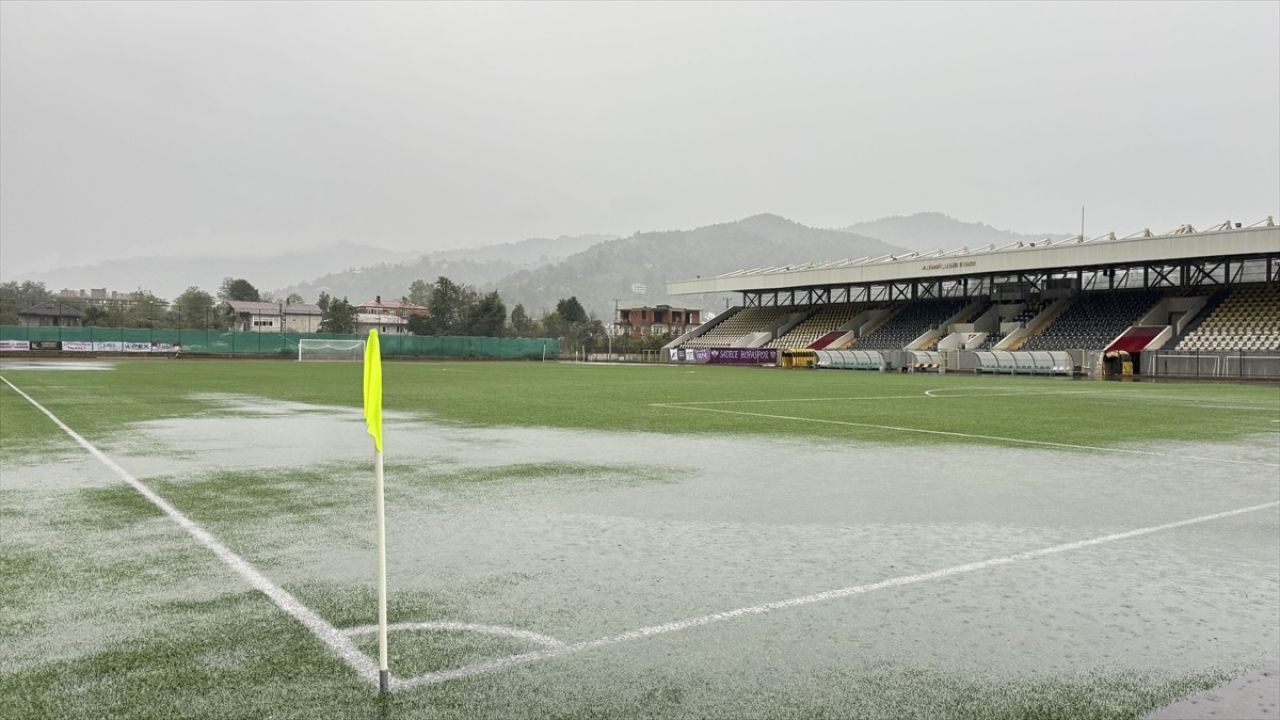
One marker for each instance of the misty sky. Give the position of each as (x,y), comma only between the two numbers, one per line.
(236,127)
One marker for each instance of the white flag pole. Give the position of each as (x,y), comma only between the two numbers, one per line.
(384,675)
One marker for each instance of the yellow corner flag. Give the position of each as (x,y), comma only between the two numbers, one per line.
(373,388)
(373,419)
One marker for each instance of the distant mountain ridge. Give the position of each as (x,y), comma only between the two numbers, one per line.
(609,271)
(168,275)
(603,271)
(929,231)
(600,270)
(474,266)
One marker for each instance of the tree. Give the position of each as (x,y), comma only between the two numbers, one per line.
(488,318)
(450,307)
(521,323)
(419,293)
(340,317)
(98,316)
(238,289)
(195,308)
(294,299)
(419,324)
(148,311)
(570,310)
(15,297)
(323,301)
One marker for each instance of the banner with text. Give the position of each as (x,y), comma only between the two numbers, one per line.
(743,356)
(690,355)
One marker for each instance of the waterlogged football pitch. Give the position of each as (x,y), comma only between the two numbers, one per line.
(196,539)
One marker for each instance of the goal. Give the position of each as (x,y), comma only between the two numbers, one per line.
(341,350)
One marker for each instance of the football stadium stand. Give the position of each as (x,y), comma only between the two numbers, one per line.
(1030,309)
(1094,320)
(740,324)
(1246,318)
(909,323)
(827,320)
(1186,302)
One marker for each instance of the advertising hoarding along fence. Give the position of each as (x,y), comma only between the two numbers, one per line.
(725,356)
(689,355)
(220,342)
(743,356)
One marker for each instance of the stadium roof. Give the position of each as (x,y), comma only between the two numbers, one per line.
(1183,243)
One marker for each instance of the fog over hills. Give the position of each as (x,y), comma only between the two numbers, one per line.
(537,272)
(168,275)
(612,270)
(634,270)
(480,266)
(928,231)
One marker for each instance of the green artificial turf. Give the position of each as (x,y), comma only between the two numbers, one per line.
(627,398)
(107,609)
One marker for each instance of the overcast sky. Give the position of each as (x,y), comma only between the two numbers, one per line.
(237,127)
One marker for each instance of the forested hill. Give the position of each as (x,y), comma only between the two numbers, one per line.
(929,231)
(613,270)
(480,266)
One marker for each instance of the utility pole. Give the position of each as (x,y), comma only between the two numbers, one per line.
(1081,223)
(614,325)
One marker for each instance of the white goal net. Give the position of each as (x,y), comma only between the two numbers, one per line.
(342,350)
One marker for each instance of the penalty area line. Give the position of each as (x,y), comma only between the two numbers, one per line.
(513,661)
(340,643)
(972,436)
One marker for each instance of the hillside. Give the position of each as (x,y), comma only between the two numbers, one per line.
(933,231)
(167,276)
(609,270)
(474,266)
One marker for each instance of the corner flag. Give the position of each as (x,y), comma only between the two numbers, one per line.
(373,389)
(373,421)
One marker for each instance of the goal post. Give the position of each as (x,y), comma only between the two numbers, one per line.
(336,350)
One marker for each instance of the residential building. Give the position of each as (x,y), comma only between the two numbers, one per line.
(51,314)
(388,317)
(100,297)
(275,317)
(658,320)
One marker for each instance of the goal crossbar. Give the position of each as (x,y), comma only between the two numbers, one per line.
(321,349)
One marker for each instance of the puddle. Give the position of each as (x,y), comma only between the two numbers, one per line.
(8,364)
(583,534)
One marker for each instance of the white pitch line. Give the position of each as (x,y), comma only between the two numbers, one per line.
(338,642)
(974,436)
(959,393)
(918,396)
(448,625)
(776,400)
(1121,395)
(512,661)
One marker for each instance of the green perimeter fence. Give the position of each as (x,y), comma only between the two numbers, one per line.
(223,342)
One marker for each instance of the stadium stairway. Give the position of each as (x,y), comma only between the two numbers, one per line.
(826,340)
(1094,320)
(928,340)
(1017,338)
(1137,338)
(864,323)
